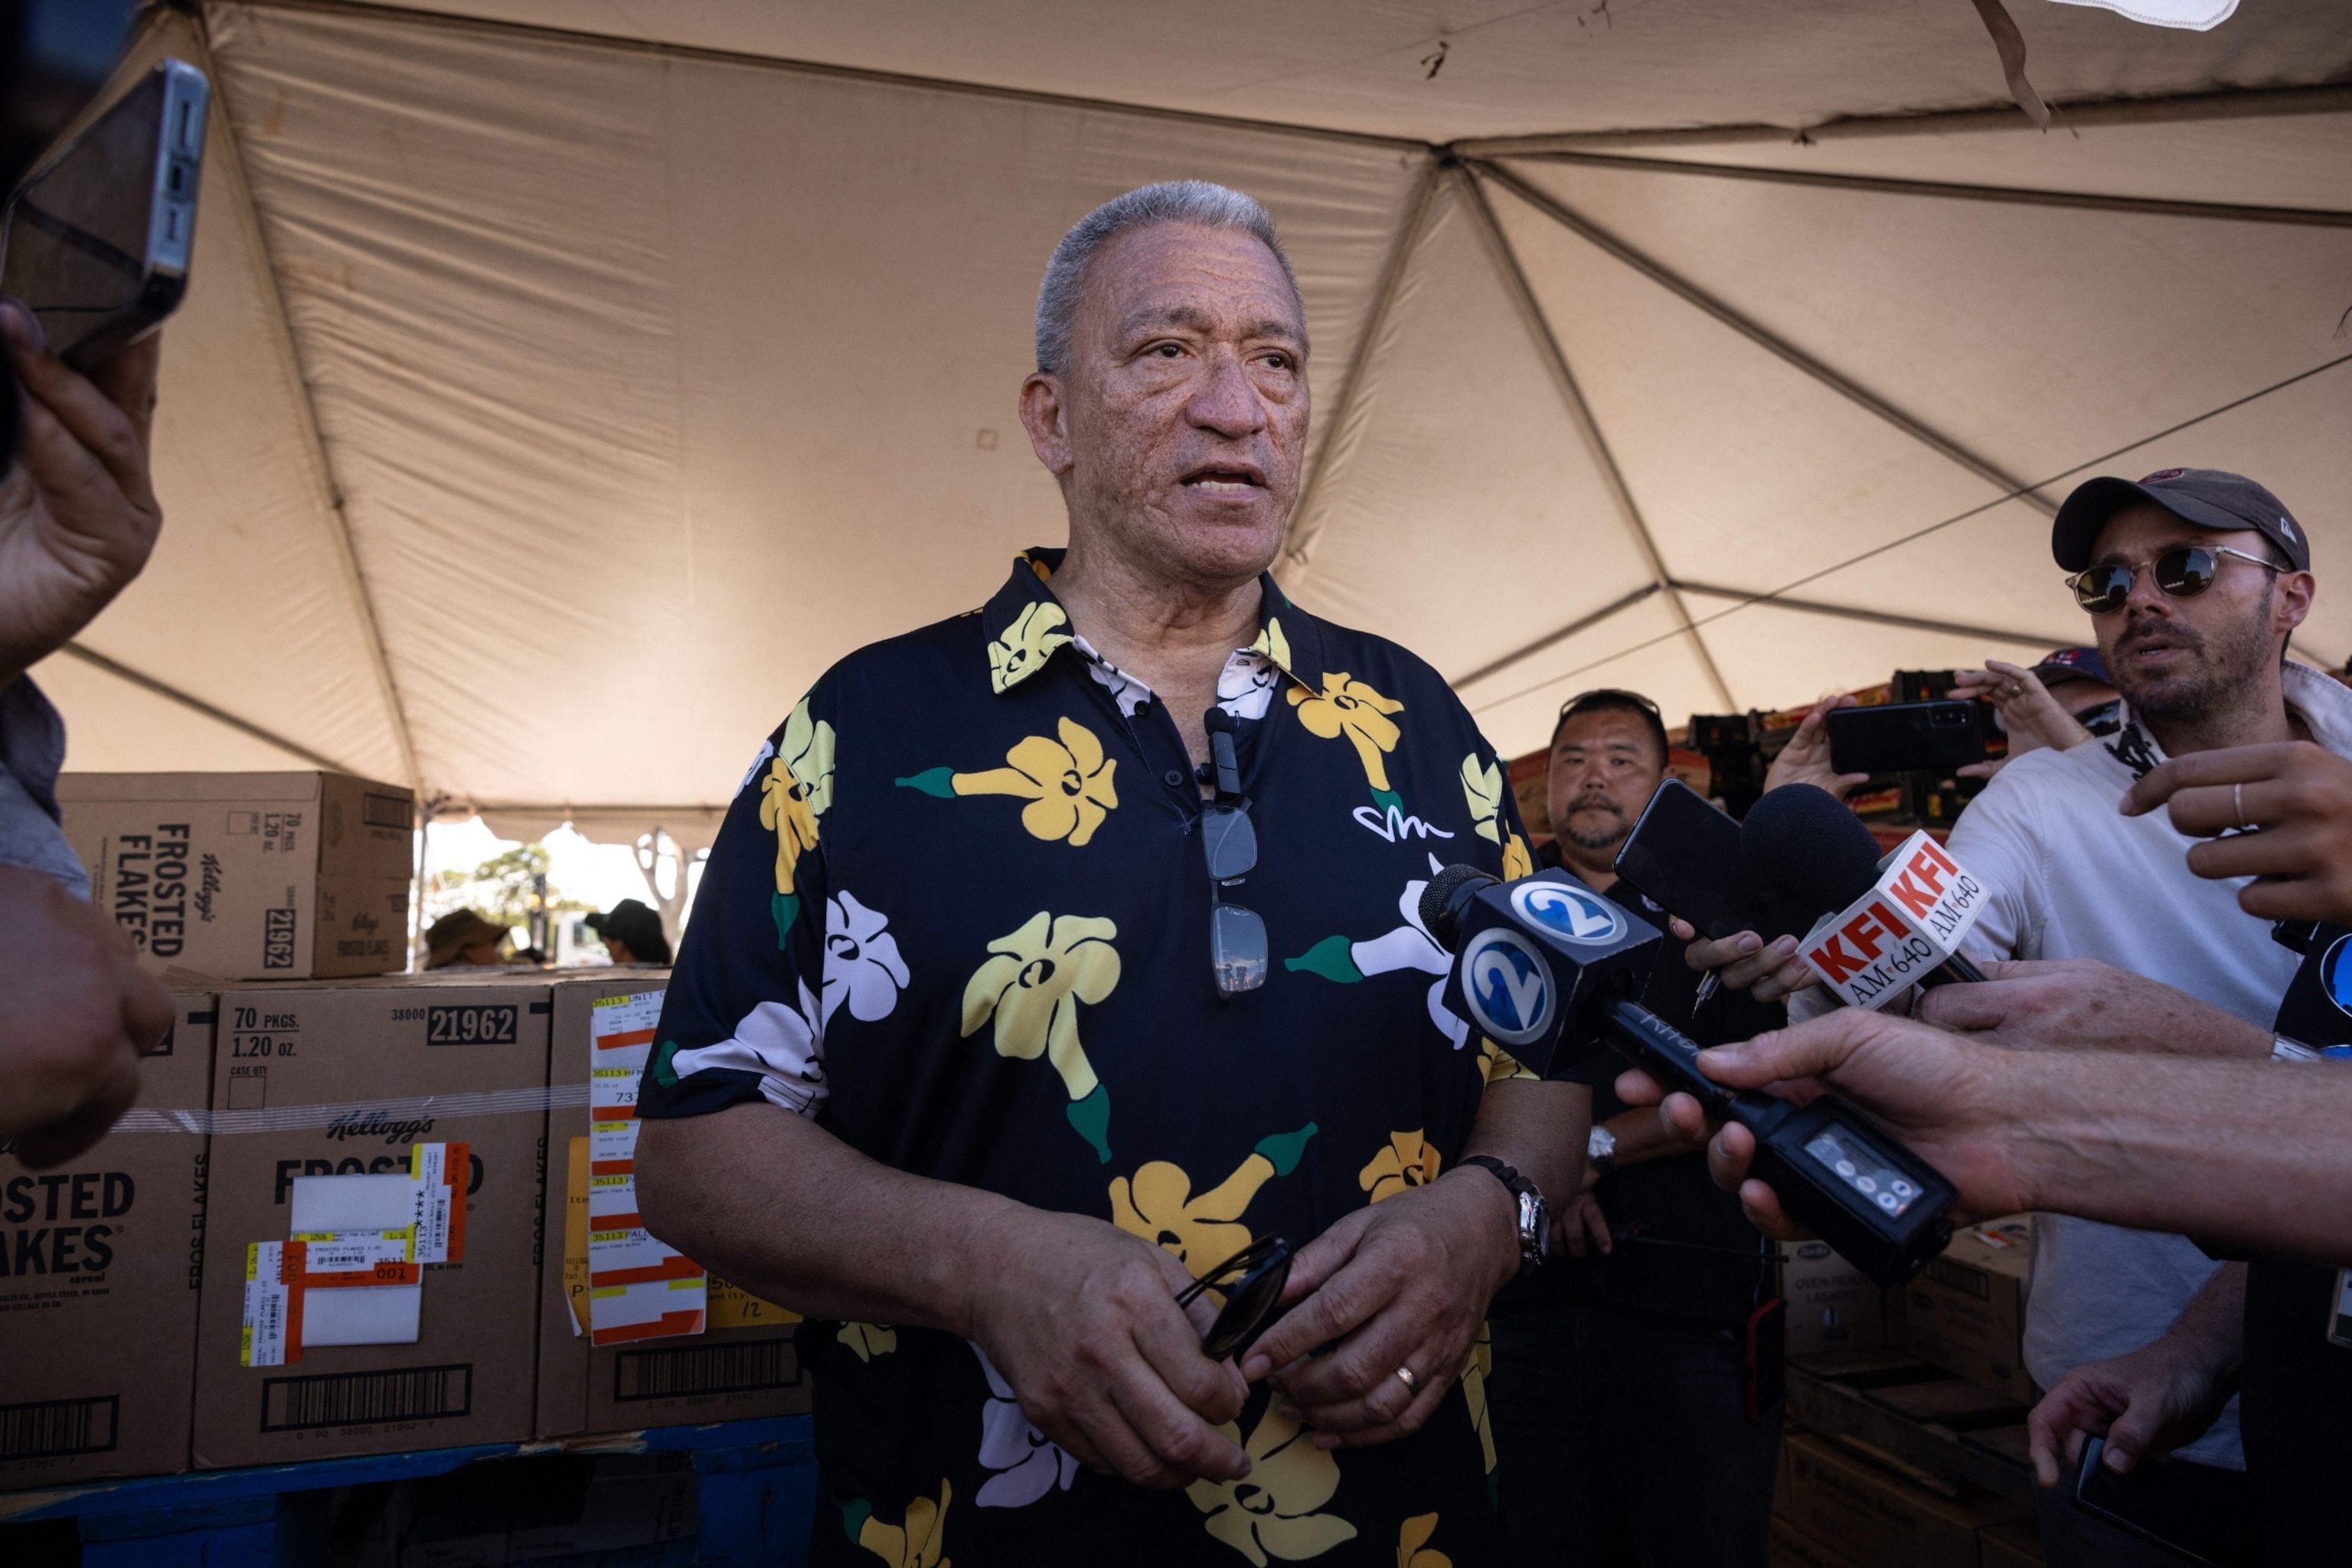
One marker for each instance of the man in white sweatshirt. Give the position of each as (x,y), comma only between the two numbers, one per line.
(2194,579)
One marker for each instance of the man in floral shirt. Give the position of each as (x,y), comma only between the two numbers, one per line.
(945,1063)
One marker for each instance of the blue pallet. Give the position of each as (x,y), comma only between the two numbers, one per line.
(755,1486)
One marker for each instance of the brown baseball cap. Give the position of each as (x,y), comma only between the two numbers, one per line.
(2208,497)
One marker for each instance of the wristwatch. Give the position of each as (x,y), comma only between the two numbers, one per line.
(1534,1214)
(1601,1152)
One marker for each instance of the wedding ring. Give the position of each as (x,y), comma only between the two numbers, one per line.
(2238,796)
(1404,1375)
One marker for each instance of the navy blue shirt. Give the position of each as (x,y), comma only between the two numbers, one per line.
(960,913)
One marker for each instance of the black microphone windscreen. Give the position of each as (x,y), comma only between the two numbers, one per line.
(1806,843)
(1441,901)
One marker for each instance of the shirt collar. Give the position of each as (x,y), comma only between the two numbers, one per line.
(1026,626)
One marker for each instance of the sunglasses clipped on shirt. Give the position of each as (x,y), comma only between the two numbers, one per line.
(2182,573)
(1239,953)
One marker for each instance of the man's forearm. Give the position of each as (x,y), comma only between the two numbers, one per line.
(2214,1322)
(1537,1128)
(777,1204)
(2250,1150)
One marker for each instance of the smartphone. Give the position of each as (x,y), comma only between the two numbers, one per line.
(2166,1506)
(96,241)
(1685,856)
(1900,737)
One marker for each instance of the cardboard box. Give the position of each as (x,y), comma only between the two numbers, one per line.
(2015,1546)
(1860,1511)
(1966,1310)
(100,1261)
(249,876)
(315,1084)
(743,1364)
(1831,1307)
(1792,1548)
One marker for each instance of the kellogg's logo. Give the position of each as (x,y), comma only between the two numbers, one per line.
(374,1123)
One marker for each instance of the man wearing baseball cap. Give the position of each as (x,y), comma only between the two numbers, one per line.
(2194,580)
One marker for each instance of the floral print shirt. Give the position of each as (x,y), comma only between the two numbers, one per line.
(959,912)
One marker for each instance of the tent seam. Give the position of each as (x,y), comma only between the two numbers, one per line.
(1580,412)
(314,439)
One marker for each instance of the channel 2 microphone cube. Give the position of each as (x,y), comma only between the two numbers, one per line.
(1553,971)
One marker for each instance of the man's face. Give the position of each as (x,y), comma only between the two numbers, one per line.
(2184,659)
(1179,425)
(1606,767)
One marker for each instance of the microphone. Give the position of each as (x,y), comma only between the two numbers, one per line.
(1549,968)
(1891,922)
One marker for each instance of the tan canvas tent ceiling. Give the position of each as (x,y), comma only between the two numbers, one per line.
(563,385)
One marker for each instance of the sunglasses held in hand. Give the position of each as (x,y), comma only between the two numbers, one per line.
(1252,1280)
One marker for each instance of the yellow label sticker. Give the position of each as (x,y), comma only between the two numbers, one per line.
(575,1236)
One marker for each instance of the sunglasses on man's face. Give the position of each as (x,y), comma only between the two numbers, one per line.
(1252,1280)
(2182,573)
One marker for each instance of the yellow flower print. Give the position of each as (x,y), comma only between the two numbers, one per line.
(1496,1064)
(1349,706)
(1026,645)
(1413,1549)
(1032,985)
(1482,786)
(1203,1232)
(1475,1370)
(1068,784)
(868,1340)
(1403,1162)
(919,1543)
(1273,644)
(1271,1510)
(1517,861)
(797,791)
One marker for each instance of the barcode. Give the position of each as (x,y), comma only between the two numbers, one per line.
(1966,1281)
(385,810)
(355,1398)
(705,1369)
(53,1427)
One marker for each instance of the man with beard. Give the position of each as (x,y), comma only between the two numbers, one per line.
(1621,1371)
(2195,580)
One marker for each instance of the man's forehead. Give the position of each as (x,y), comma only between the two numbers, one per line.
(1185,276)
(1607,729)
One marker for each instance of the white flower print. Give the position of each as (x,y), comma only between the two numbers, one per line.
(1128,694)
(784,1045)
(1246,686)
(759,765)
(1410,946)
(1027,1465)
(862,966)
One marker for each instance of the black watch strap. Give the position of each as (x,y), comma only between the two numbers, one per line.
(1533,1216)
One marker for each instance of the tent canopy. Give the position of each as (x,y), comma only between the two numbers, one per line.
(551,407)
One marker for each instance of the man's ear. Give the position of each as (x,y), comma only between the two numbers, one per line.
(2291,603)
(1047,418)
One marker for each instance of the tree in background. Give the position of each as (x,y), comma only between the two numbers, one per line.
(509,890)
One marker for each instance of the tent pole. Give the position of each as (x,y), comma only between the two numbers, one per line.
(322,468)
(2330,97)
(1579,413)
(1581,624)
(2225,212)
(1882,617)
(1296,548)
(148,683)
(1691,293)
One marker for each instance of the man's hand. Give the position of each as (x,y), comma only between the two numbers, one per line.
(1745,962)
(1941,1094)
(2150,1402)
(2298,795)
(77,516)
(2073,1005)
(1806,758)
(76,1014)
(1582,1218)
(2032,718)
(1401,1283)
(1081,1318)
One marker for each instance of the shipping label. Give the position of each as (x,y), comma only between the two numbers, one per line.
(268,1331)
(638,1288)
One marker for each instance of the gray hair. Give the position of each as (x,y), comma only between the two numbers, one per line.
(1195,202)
